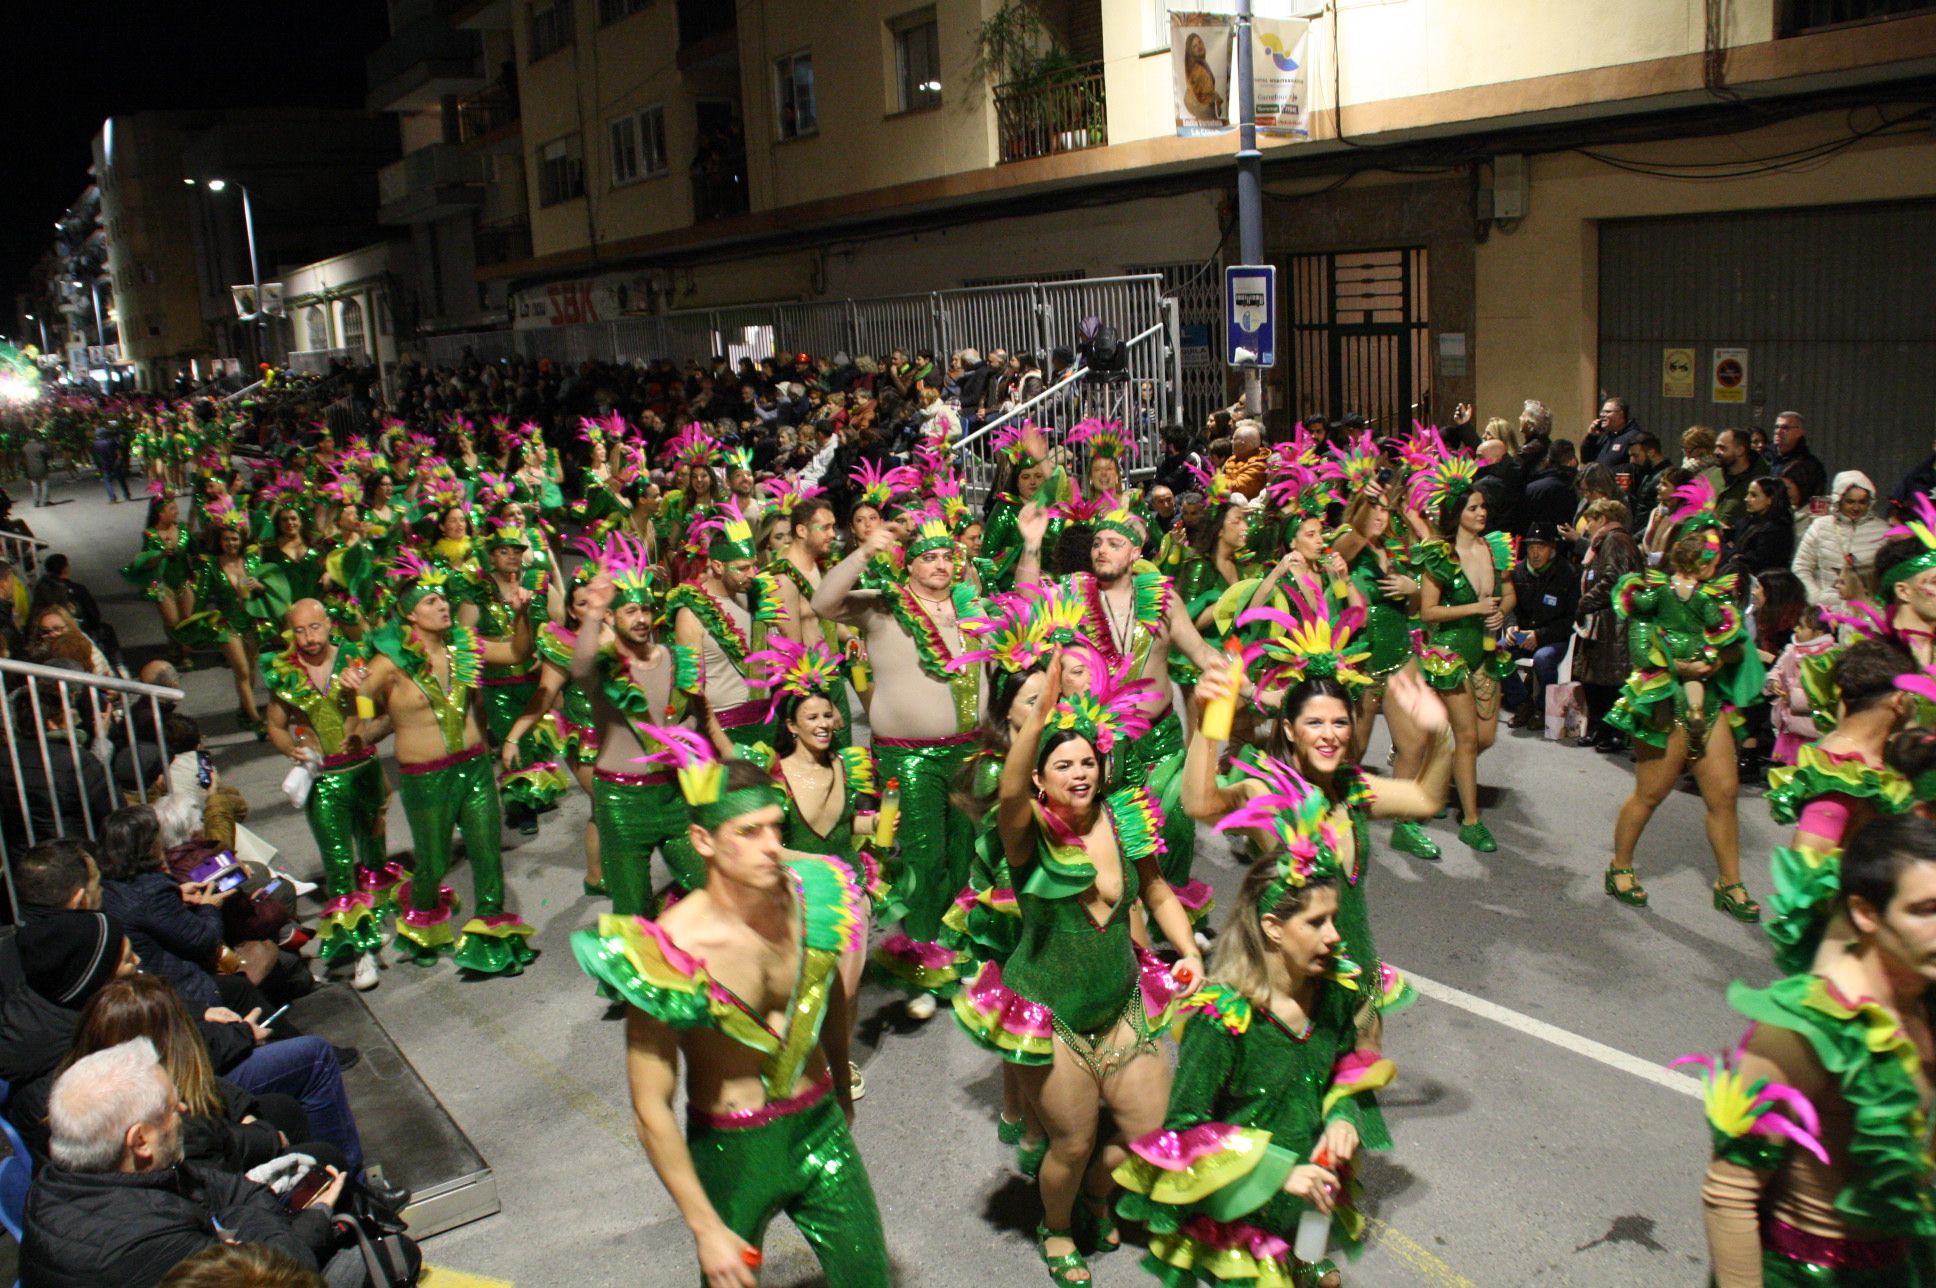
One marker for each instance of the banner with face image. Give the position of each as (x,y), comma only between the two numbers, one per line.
(1203,78)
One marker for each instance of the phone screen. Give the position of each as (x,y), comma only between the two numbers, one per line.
(230,880)
(314,1182)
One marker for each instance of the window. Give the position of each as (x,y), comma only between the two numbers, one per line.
(638,146)
(551,29)
(318,329)
(794,75)
(610,11)
(1799,17)
(917,60)
(353,326)
(1156,26)
(561,171)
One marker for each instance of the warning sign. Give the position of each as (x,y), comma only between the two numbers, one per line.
(1730,376)
(1677,373)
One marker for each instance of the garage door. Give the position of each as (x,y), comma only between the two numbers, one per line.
(1832,306)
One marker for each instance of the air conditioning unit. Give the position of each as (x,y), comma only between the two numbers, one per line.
(1509,181)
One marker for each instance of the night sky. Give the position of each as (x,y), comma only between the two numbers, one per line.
(65,69)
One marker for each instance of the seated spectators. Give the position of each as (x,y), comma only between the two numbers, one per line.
(176,926)
(1547,586)
(66,790)
(119,1205)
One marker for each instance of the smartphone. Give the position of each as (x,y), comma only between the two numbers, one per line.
(1384,476)
(313,1182)
(270,1023)
(212,867)
(229,878)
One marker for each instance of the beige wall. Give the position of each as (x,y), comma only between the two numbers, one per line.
(146,210)
(1537,327)
(549,107)
(862,141)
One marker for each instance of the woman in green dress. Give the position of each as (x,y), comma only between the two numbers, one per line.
(1274,1094)
(163,567)
(215,606)
(1077,1005)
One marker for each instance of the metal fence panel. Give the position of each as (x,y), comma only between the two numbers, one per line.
(691,336)
(988,317)
(824,327)
(905,322)
(448,350)
(638,339)
(1132,305)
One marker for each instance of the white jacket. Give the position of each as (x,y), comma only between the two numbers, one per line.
(1828,546)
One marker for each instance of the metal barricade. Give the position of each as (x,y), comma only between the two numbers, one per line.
(826,327)
(990,317)
(637,340)
(904,322)
(46,712)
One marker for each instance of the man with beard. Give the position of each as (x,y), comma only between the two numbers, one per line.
(711,618)
(427,671)
(315,684)
(925,712)
(1906,573)
(635,682)
(796,575)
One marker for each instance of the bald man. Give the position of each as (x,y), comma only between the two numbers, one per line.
(315,682)
(1249,464)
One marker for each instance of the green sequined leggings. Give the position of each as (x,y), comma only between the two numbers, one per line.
(935,839)
(457,793)
(636,814)
(345,812)
(1778,1271)
(803,1162)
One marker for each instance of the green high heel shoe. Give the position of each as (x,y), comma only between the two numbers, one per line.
(1029,1157)
(1634,896)
(1740,907)
(1101,1233)
(1062,1267)
(1008,1130)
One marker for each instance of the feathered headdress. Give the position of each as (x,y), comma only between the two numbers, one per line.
(1920,523)
(506,532)
(1309,641)
(493,490)
(798,671)
(624,560)
(728,531)
(1081,509)
(421,579)
(1104,438)
(1694,515)
(1358,462)
(739,458)
(692,446)
(1446,479)
(1737,1108)
(931,533)
(1110,710)
(1009,440)
(1299,489)
(787,493)
(223,513)
(602,431)
(1010,632)
(702,777)
(946,491)
(1299,815)
(873,485)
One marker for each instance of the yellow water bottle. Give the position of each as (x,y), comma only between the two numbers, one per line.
(889,817)
(1219,712)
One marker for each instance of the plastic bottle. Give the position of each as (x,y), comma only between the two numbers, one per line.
(1313,1227)
(889,817)
(1218,713)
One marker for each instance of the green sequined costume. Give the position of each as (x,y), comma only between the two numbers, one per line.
(344,809)
(794,1154)
(1664,627)
(1873,1063)
(456,793)
(1249,1102)
(1458,649)
(1068,977)
(504,691)
(1388,628)
(859,779)
(162,568)
(637,813)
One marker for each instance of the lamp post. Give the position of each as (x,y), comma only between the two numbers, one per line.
(1250,181)
(256,315)
(42,322)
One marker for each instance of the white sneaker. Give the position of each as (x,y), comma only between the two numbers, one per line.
(921,1006)
(365,978)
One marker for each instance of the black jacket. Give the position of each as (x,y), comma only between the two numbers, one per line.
(1503,484)
(173,940)
(1613,451)
(1550,497)
(129,1229)
(1806,469)
(1765,541)
(43,793)
(1544,601)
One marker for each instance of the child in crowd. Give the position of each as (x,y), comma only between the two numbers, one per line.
(1794,718)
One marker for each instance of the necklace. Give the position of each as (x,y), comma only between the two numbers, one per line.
(932,608)
(1118,629)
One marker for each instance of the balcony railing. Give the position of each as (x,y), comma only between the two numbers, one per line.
(438,165)
(1060,112)
(486,112)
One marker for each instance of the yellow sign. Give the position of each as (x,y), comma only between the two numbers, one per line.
(1677,373)
(1730,376)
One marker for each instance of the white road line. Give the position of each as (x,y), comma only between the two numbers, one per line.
(1600,1051)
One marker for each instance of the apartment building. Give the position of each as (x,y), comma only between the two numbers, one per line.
(1496,199)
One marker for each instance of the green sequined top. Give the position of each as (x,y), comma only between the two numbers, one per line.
(856,766)
(1388,627)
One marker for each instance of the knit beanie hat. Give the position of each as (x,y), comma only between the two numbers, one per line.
(70,956)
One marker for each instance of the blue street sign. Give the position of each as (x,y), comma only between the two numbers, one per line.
(1250,315)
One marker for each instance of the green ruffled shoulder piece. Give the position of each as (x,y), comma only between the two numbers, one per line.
(1139,822)
(862,778)
(554,644)
(1220,1004)
(1502,551)
(1635,594)
(1817,675)
(1873,1062)
(688,671)
(1817,773)
(634,961)
(1060,871)
(1437,560)
(832,902)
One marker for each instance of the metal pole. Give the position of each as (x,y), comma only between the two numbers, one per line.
(255,273)
(1250,181)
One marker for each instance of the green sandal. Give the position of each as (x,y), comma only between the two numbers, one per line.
(1008,1130)
(1029,1157)
(1060,1268)
(1741,907)
(1101,1233)
(1314,1274)
(1634,896)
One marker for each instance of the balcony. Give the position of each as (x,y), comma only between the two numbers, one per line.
(420,64)
(1060,111)
(430,184)
(491,113)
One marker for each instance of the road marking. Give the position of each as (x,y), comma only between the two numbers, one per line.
(1414,1256)
(1660,1075)
(439,1277)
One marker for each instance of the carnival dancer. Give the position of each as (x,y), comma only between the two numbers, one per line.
(1275,1087)
(1465,597)
(827,787)
(1078,1007)
(215,605)
(1683,630)
(161,571)
(1906,572)
(740,980)
(1313,663)
(314,685)
(1837,784)
(1136,616)
(1819,1117)
(796,576)
(560,697)
(633,681)
(712,618)
(535,778)
(924,714)
(427,668)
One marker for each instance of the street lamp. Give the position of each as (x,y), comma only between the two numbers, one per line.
(43,329)
(255,315)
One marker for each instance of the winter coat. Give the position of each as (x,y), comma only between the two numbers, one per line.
(1764,541)
(1601,656)
(174,940)
(1550,496)
(1833,542)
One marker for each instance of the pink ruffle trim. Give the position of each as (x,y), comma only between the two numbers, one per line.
(378,880)
(423,918)
(1238,1235)
(1003,1007)
(1176,1151)
(930,956)
(1194,895)
(1160,988)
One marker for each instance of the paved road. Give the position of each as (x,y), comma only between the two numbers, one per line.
(1538,1140)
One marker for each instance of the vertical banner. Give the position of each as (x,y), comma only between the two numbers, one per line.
(1279,74)
(1200,72)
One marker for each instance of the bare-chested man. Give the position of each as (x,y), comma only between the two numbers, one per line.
(711,618)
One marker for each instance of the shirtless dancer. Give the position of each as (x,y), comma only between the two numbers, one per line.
(924,717)
(796,573)
(423,680)
(711,618)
